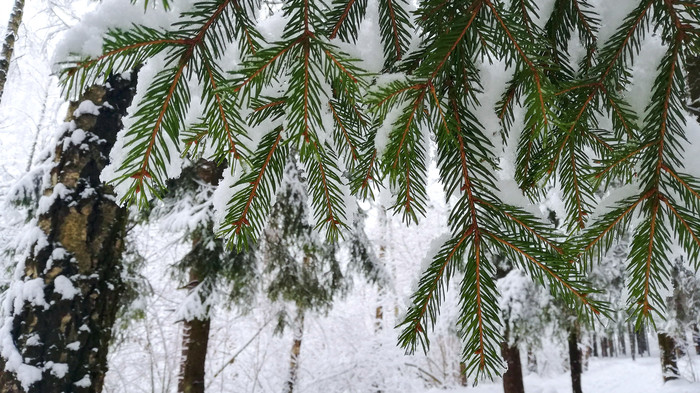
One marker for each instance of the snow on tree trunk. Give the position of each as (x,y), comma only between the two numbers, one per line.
(195,337)
(8,46)
(59,309)
(667,349)
(575,359)
(696,338)
(296,350)
(513,377)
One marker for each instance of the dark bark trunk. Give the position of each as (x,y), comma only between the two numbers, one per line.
(62,336)
(633,349)
(296,350)
(604,346)
(513,377)
(8,46)
(669,365)
(595,345)
(575,360)
(642,341)
(696,338)
(195,337)
(611,346)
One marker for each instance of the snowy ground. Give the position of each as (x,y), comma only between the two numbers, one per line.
(604,375)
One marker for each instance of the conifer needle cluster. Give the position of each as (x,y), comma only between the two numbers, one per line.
(355,132)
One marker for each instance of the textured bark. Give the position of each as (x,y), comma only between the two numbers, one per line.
(633,349)
(8,46)
(195,337)
(669,365)
(296,350)
(67,340)
(696,338)
(575,360)
(513,377)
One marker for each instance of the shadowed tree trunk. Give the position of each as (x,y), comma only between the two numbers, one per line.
(604,347)
(696,338)
(195,337)
(8,46)
(60,307)
(575,360)
(195,331)
(595,345)
(513,377)
(669,365)
(642,341)
(296,350)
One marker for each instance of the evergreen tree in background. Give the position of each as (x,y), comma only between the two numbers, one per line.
(208,269)
(354,131)
(303,270)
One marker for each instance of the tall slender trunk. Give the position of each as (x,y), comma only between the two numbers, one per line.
(669,365)
(56,340)
(8,46)
(195,337)
(696,338)
(296,350)
(595,345)
(621,338)
(633,349)
(642,341)
(513,377)
(604,347)
(575,359)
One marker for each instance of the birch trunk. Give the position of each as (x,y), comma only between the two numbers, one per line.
(8,46)
(56,339)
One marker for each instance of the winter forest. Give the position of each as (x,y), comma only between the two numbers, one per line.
(377,196)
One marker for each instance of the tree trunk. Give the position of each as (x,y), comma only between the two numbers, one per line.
(195,337)
(531,361)
(575,360)
(463,374)
(296,350)
(60,307)
(642,341)
(633,349)
(669,365)
(621,338)
(8,46)
(611,346)
(595,345)
(696,338)
(513,377)
(604,346)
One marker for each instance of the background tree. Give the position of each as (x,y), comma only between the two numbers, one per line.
(208,269)
(302,269)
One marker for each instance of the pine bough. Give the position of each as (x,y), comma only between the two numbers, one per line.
(356,131)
